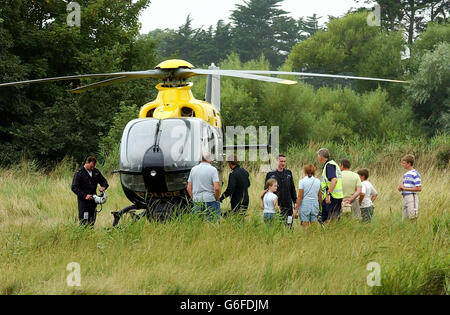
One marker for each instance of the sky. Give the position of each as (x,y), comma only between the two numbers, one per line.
(172,13)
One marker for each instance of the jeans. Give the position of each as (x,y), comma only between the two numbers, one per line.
(210,209)
(331,211)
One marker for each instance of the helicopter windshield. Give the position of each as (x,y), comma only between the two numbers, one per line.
(137,138)
(181,142)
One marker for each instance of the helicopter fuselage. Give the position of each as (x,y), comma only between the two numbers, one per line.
(159,149)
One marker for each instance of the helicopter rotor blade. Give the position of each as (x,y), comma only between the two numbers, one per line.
(186,73)
(91,86)
(306,74)
(132,75)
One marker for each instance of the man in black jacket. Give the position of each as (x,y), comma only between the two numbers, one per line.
(238,183)
(287,196)
(84,185)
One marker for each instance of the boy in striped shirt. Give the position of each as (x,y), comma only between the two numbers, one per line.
(412,184)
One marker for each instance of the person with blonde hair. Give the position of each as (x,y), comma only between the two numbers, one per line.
(269,201)
(309,197)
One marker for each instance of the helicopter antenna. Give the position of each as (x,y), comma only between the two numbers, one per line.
(213,88)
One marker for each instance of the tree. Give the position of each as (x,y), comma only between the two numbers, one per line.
(429,91)
(43,121)
(260,27)
(350,46)
(413,15)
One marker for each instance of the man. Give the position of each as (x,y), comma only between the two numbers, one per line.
(287,196)
(331,183)
(238,183)
(351,186)
(204,189)
(84,185)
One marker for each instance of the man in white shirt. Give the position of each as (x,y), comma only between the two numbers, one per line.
(367,197)
(204,188)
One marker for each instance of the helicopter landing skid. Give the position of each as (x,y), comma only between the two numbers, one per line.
(130,209)
(157,211)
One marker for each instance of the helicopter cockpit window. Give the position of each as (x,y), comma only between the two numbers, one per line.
(181,143)
(138,137)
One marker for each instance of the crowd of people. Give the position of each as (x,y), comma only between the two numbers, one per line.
(339,191)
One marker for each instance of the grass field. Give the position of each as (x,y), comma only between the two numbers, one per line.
(40,237)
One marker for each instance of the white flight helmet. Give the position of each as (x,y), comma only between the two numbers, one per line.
(100,199)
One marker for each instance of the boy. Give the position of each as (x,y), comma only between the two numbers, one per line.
(367,196)
(412,184)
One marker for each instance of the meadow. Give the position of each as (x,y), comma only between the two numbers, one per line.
(40,236)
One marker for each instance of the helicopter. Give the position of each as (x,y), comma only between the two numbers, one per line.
(160,147)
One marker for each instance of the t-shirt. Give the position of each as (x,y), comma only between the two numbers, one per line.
(411,179)
(269,206)
(202,177)
(369,191)
(330,170)
(350,182)
(310,186)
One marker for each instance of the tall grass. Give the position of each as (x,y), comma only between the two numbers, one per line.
(40,236)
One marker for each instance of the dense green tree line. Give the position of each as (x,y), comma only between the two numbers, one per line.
(45,122)
(257,27)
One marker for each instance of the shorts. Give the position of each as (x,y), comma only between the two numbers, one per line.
(367,213)
(410,205)
(269,217)
(309,211)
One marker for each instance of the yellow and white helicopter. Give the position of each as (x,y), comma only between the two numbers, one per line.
(160,147)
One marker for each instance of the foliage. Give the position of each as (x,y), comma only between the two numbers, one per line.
(258,27)
(43,121)
(349,45)
(429,91)
(411,15)
(41,235)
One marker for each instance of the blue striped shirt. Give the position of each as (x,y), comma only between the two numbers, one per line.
(411,179)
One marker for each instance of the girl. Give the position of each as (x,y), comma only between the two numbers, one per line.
(269,201)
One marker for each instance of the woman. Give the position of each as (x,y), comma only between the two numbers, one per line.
(309,197)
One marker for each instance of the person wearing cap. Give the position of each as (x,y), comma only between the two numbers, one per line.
(84,185)
(204,188)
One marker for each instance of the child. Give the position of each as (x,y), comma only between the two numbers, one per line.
(412,184)
(367,196)
(269,201)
